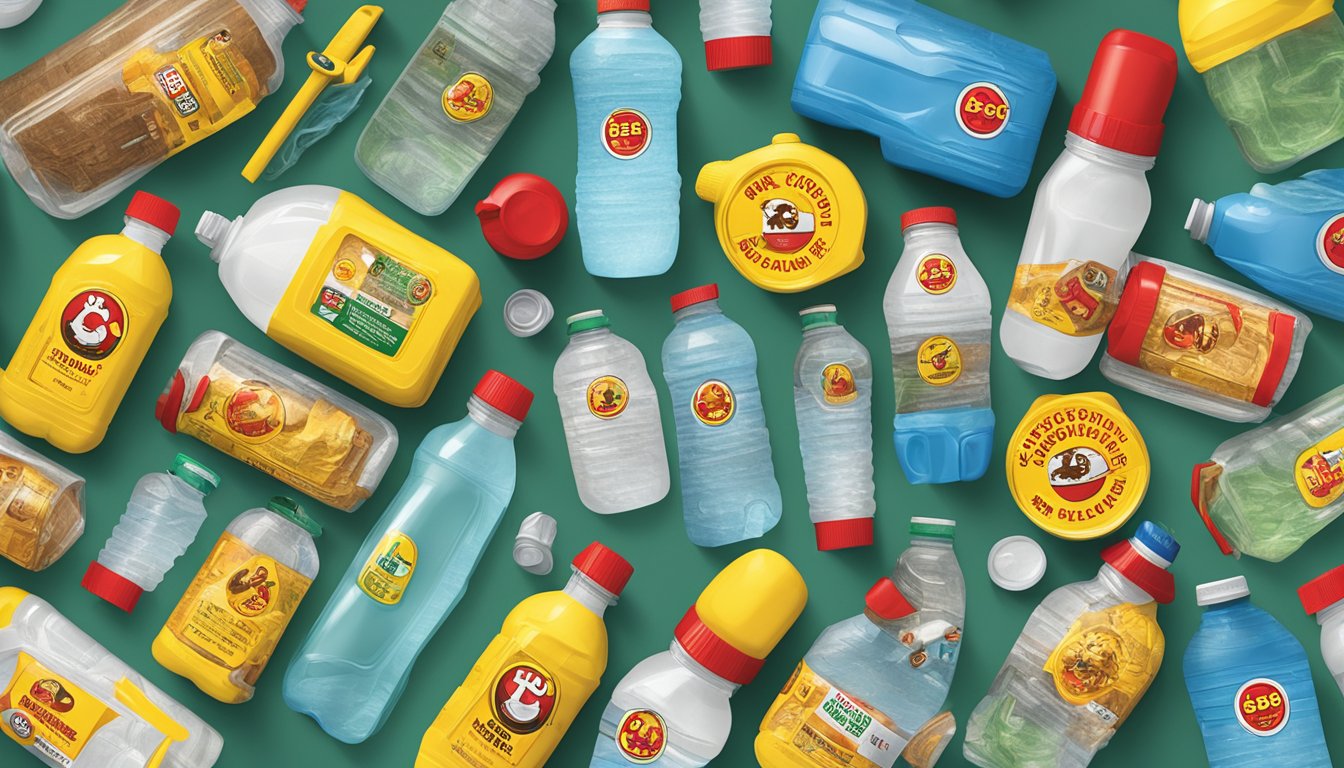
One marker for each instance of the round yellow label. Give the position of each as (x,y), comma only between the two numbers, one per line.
(608,397)
(837,384)
(469,98)
(938,361)
(713,403)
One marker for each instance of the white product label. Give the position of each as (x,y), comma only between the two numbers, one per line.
(875,741)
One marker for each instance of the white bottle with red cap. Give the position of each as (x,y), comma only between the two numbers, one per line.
(412,568)
(1089,209)
(1324,597)
(737,33)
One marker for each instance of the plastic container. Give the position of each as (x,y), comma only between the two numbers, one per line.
(627,198)
(946,97)
(341,285)
(15,12)
(162,518)
(151,79)
(1324,597)
(532,545)
(91,332)
(728,487)
(527,313)
(1089,209)
(737,33)
(455,99)
(1250,684)
(1272,70)
(1265,492)
(41,507)
(274,419)
(674,708)
(412,568)
(833,400)
(789,216)
(531,681)
(1202,343)
(872,685)
(1083,661)
(613,425)
(1016,563)
(1287,237)
(525,217)
(938,320)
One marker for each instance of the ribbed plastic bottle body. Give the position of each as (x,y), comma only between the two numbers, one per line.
(833,400)
(721,19)
(162,518)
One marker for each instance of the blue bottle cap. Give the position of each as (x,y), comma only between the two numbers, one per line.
(1158,540)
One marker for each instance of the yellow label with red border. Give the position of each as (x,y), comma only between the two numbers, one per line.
(505,723)
(1076,298)
(1319,471)
(608,397)
(48,715)
(389,569)
(838,386)
(938,360)
(627,133)
(714,403)
(936,274)
(91,327)
(469,98)
(641,736)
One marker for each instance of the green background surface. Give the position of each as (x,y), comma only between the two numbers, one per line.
(722,115)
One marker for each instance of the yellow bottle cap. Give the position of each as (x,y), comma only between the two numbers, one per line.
(1215,31)
(1077,465)
(789,216)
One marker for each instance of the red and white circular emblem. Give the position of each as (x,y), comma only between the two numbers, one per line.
(1262,707)
(1330,244)
(524,698)
(93,324)
(626,134)
(982,110)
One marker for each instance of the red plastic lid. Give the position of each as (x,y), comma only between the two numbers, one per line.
(525,216)
(1281,329)
(1135,311)
(607,569)
(504,395)
(695,296)
(298,5)
(938,214)
(168,404)
(843,534)
(1195,496)
(1145,574)
(1323,591)
(713,652)
(607,6)
(738,52)
(111,586)
(1127,93)
(154,211)
(885,600)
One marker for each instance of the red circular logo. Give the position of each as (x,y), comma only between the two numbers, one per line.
(1262,707)
(982,110)
(524,698)
(626,133)
(93,324)
(641,736)
(937,274)
(1330,243)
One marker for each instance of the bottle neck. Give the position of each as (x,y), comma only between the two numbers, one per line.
(1333,613)
(935,542)
(933,230)
(696,668)
(699,308)
(492,419)
(1215,608)
(1094,152)
(589,594)
(591,333)
(1121,587)
(624,20)
(145,234)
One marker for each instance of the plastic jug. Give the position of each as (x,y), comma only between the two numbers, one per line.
(728,487)
(1083,661)
(938,319)
(946,97)
(412,568)
(1250,684)
(72,704)
(871,686)
(1272,70)
(91,332)
(1324,597)
(833,400)
(1287,237)
(151,79)
(455,99)
(346,288)
(674,708)
(627,89)
(1089,209)
(41,506)
(529,684)
(737,33)
(273,418)
(613,426)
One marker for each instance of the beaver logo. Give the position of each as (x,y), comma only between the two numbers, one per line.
(524,698)
(93,324)
(1077,474)
(469,98)
(786,227)
(52,695)
(641,736)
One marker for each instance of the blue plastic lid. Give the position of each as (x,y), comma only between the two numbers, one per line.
(1159,540)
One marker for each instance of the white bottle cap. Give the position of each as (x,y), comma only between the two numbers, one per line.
(532,546)
(1016,563)
(1215,592)
(1199,220)
(527,312)
(211,230)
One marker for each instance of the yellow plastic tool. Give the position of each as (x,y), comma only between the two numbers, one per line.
(342,62)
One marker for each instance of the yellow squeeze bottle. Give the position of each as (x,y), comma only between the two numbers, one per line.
(91,332)
(524,692)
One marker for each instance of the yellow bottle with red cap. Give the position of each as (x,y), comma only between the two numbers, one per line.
(91,332)
(525,690)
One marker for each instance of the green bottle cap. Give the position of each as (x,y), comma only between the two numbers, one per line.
(587,321)
(820,316)
(291,511)
(194,473)
(933,527)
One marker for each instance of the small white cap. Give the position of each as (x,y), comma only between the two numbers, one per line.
(589,315)
(1216,592)
(532,546)
(1016,563)
(1199,220)
(211,230)
(527,312)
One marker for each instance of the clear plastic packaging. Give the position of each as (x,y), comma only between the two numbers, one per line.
(41,506)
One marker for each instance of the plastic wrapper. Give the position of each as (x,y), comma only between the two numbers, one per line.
(41,506)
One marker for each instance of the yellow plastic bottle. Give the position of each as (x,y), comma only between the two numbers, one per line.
(91,332)
(526,689)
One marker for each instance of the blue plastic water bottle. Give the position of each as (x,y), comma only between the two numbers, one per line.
(1250,684)
(1288,238)
(412,569)
(627,87)
(728,487)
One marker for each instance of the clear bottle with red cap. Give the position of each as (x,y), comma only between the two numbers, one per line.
(1323,597)
(412,568)
(91,332)
(1081,664)
(529,684)
(1089,209)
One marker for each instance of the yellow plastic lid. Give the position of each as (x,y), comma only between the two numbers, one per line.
(789,216)
(1215,31)
(1077,466)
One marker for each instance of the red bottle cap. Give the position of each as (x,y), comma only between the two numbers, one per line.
(154,211)
(939,214)
(524,217)
(607,569)
(1323,591)
(1127,93)
(298,5)
(1146,575)
(843,534)
(738,52)
(885,600)
(1134,313)
(607,6)
(713,652)
(695,296)
(504,395)
(112,586)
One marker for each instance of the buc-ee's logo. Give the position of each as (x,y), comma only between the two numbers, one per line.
(1330,244)
(93,324)
(52,695)
(524,698)
(982,110)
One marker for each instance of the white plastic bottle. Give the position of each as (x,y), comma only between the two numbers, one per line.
(736,32)
(613,425)
(162,518)
(833,399)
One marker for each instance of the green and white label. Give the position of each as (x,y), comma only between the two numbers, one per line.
(371,297)
(873,740)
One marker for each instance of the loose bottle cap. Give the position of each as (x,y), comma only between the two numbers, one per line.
(1323,591)
(532,545)
(111,586)
(738,52)
(933,215)
(695,296)
(1127,93)
(587,321)
(504,395)
(524,217)
(1224,591)
(194,473)
(1016,563)
(527,313)
(607,6)
(154,211)
(1215,31)
(607,569)
(885,600)
(291,511)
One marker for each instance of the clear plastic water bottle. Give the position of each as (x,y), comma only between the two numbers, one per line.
(456,98)
(737,33)
(833,398)
(412,569)
(728,487)
(162,518)
(627,87)
(613,425)
(1250,683)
